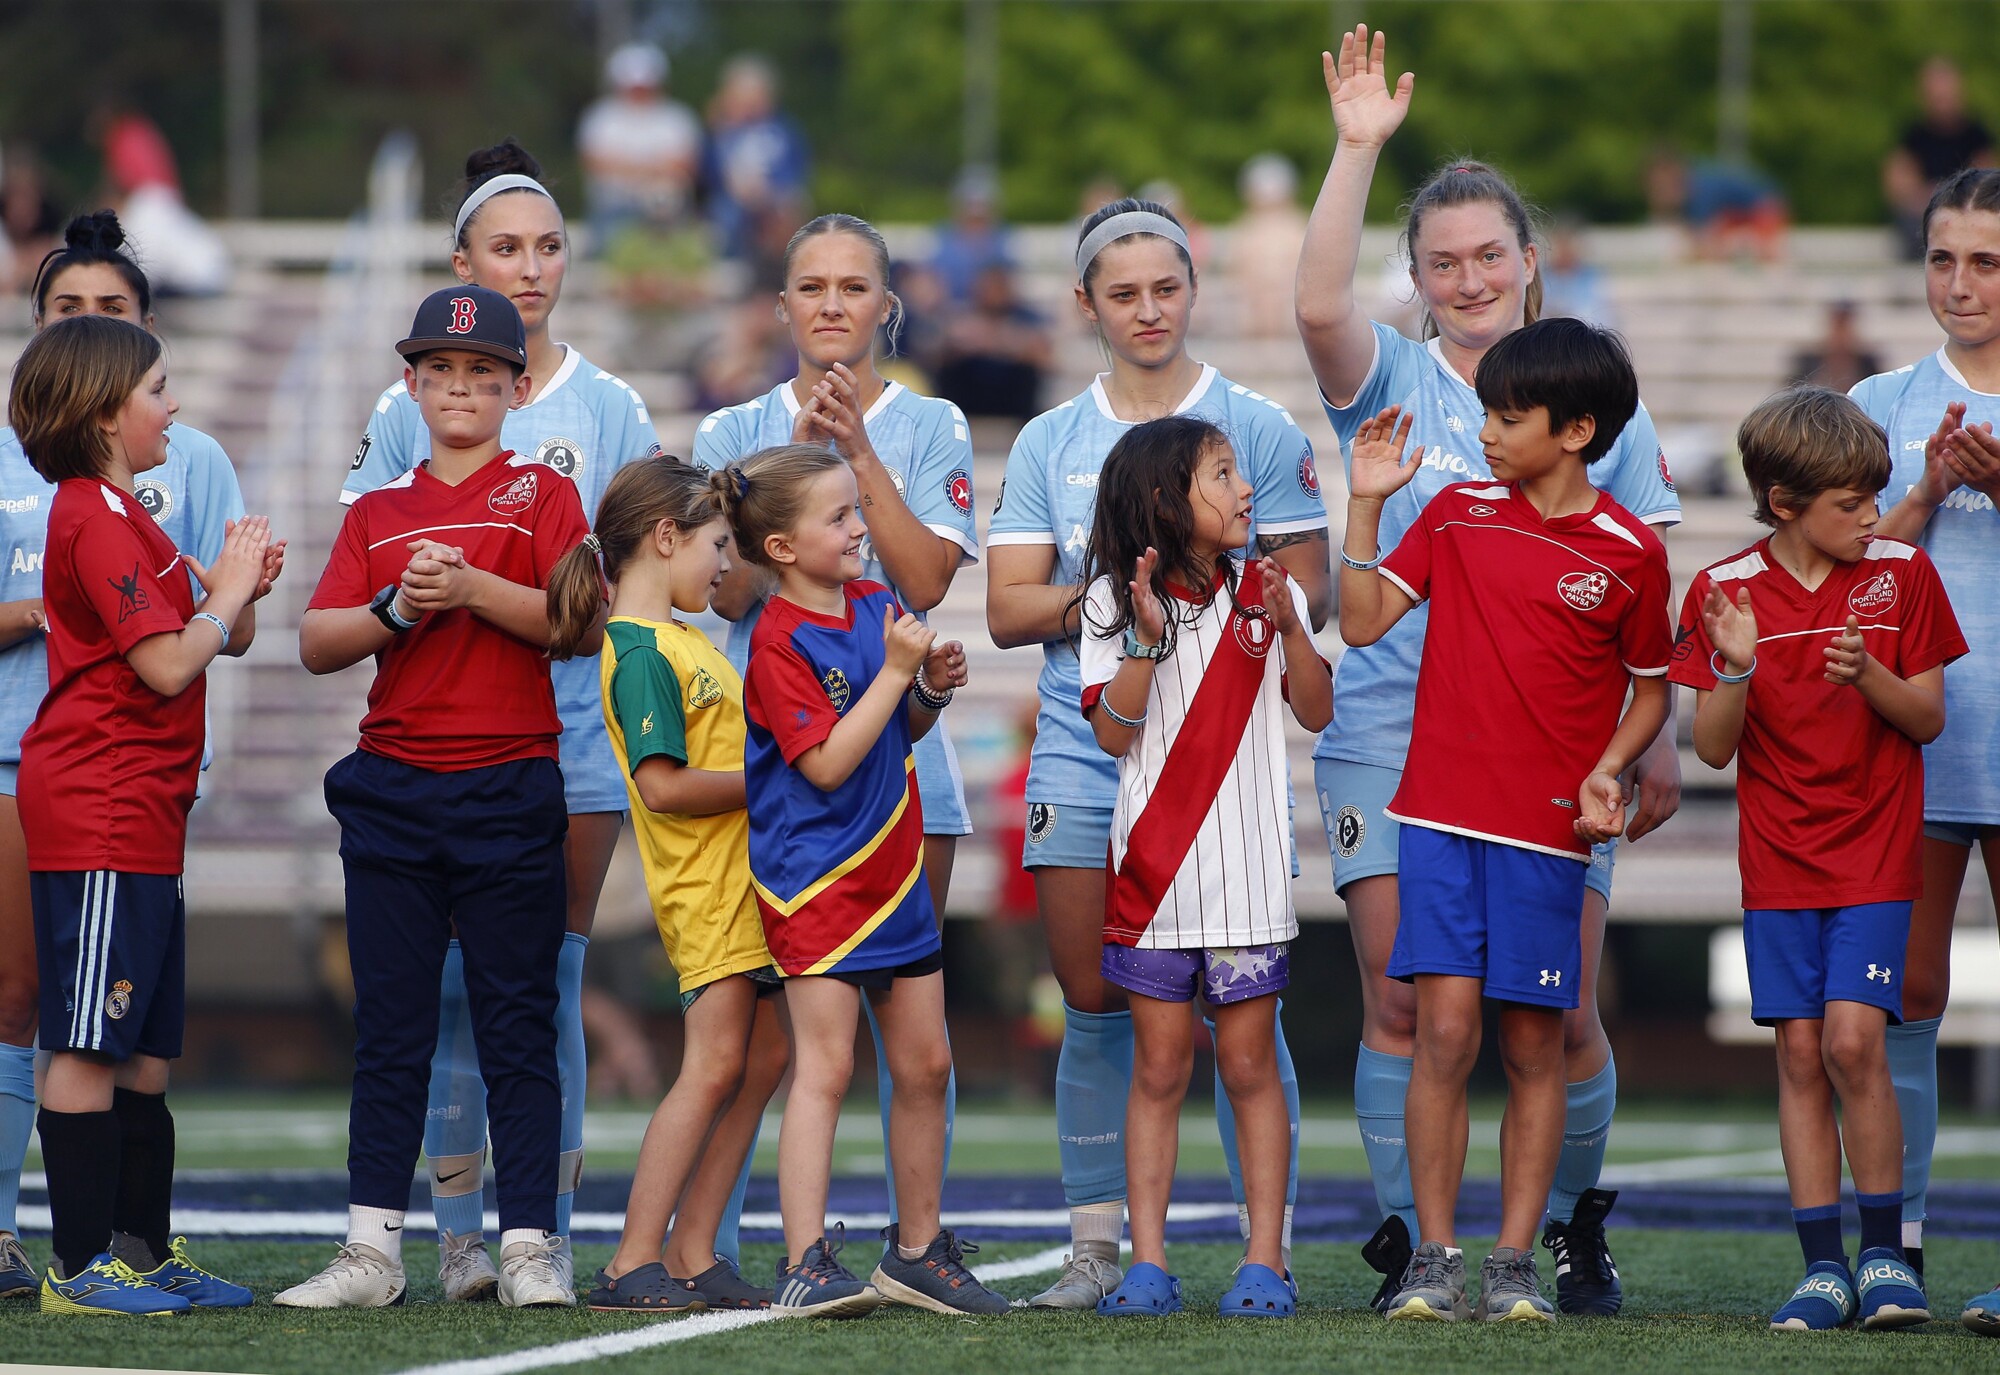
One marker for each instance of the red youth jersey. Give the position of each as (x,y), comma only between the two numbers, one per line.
(1829,795)
(1536,628)
(458,692)
(108,769)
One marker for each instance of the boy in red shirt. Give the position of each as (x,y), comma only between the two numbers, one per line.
(451,810)
(1548,602)
(1817,658)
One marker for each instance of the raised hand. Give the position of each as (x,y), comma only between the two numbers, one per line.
(1149,618)
(1731,627)
(944,666)
(1277,596)
(805,426)
(1365,111)
(835,409)
(1847,655)
(1938,479)
(1601,807)
(1971,456)
(239,568)
(906,642)
(1377,468)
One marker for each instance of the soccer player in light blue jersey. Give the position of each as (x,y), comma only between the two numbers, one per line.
(1473,261)
(1136,285)
(585,423)
(193,496)
(912,461)
(1944,475)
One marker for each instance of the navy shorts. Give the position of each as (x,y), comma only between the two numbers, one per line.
(111,950)
(1802,959)
(1508,916)
(1219,975)
(883,978)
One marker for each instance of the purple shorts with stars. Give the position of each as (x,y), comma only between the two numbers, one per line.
(1218,975)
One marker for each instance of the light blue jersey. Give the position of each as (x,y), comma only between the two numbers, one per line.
(1961,766)
(192,496)
(1049,497)
(1375,687)
(927,449)
(586,424)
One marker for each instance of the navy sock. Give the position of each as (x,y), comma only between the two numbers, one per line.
(81,1153)
(1881,1220)
(1819,1233)
(144,1204)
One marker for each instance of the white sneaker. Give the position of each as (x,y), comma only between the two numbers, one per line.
(531,1275)
(1084,1280)
(360,1277)
(465,1268)
(564,1259)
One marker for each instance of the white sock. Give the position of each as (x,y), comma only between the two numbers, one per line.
(1095,1229)
(1284,1240)
(1913,1232)
(514,1234)
(380,1228)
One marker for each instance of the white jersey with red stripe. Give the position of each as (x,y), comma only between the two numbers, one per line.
(1200,832)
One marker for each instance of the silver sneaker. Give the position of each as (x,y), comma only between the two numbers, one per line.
(1510,1289)
(1433,1287)
(17,1273)
(360,1277)
(531,1275)
(465,1268)
(1083,1281)
(564,1260)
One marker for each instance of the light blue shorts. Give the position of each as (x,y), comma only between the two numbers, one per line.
(592,780)
(10,779)
(941,785)
(1066,836)
(1363,838)
(1965,834)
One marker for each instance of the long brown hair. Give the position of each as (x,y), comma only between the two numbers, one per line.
(763,494)
(74,375)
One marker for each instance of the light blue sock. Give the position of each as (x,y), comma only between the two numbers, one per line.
(1225,1117)
(1093,1079)
(728,1232)
(1913,1067)
(1586,1134)
(17,1123)
(572,1071)
(455,1119)
(1381,1084)
(885,1092)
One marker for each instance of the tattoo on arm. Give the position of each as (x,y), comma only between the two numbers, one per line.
(1271,544)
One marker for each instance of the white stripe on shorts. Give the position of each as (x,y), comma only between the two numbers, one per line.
(109,902)
(93,959)
(86,949)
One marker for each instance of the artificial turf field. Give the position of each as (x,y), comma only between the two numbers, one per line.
(1699,1235)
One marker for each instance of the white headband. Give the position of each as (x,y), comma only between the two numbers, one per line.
(1123,226)
(510,181)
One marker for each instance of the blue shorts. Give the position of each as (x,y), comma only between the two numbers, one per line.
(111,950)
(10,779)
(1362,836)
(941,786)
(1964,834)
(592,781)
(1801,960)
(1066,836)
(1508,916)
(1221,976)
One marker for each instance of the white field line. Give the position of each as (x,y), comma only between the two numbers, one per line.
(680,1330)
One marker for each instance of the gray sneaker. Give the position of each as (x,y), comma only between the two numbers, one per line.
(1510,1289)
(1083,1281)
(1433,1287)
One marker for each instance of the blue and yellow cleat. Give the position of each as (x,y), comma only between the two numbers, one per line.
(108,1286)
(1982,1314)
(1823,1301)
(179,1275)
(1891,1294)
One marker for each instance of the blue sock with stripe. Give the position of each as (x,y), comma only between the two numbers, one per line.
(572,1071)
(1586,1136)
(1913,1067)
(1381,1084)
(1093,1080)
(455,1116)
(729,1231)
(17,1124)
(885,1093)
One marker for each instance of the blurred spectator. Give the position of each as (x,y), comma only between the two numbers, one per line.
(1097,193)
(1264,246)
(180,254)
(974,238)
(1945,139)
(995,350)
(1015,949)
(753,355)
(757,161)
(918,334)
(1726,207)
(1163,192)
(641,151)
(1571,284)
(1840,358)
(29,214)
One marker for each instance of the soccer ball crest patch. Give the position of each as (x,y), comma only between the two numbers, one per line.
(1584,591)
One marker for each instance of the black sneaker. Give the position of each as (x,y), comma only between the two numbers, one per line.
(937,1280)
(723,1286)
(1586,1276)
(1388,1253)
(819,1286)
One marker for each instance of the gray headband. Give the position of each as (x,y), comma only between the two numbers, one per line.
(510,181)
(1124,226)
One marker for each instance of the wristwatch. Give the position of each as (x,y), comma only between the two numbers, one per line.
(384,607)
(1135,650)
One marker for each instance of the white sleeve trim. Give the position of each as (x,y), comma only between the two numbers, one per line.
(1659,672)
(1668,516)
(998,537)
(959,538)
(1408,590)
(1290,527)
(348,498)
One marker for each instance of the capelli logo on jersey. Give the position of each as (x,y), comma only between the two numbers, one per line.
(1876,595)
(837,690)
(1081,479)
(20,506)
(514,498)
(1584,591)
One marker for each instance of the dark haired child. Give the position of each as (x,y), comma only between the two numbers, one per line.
(1817,658)
(1182,686)
(451,810)
(1547,602)
(108,773)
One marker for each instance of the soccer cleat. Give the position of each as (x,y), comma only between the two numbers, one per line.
(532,1275)
(179,1275)
(1083,1282)
(937,1280)
(1982,1314)
(819,1286)
(722,1286)
(1432,1288)
(1586,1276)
(108,1286)
(1823,1301)
(1510,1289)
(1890,1294)
(465,1268)
(1388,1253)
(17,1272)
(359,1277)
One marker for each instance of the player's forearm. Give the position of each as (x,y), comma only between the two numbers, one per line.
(19,620)
(1308,682)
(1644,715)
(920,718)
(833,760)
(918,560)
(242,631)
(1337,338)
(333,638)
(673,789)
(1718,722)
(1304,556)
(522,612)
(1031,613)
(1905,521)
(1914,708)
(1364,603)
(170,662)
(1127,694)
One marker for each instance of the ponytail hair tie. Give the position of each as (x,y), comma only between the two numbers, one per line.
(1461,168)
(591,543)
(739,481)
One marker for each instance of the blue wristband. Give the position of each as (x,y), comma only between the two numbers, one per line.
(1358,566)
(215,621)
(1126,721)
(1722,676)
